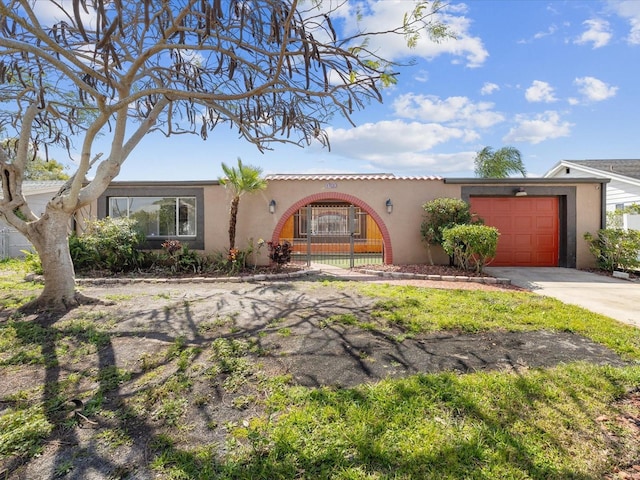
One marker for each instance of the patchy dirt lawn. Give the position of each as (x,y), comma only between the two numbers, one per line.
(283,327)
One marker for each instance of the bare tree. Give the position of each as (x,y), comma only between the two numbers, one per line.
(275,70)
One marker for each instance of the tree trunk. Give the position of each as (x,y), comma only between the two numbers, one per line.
(49,236)
(233,218)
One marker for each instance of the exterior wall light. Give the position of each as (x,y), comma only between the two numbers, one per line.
(521,192)
(389,206)
(272,206)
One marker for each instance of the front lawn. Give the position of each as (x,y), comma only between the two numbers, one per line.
(185,381)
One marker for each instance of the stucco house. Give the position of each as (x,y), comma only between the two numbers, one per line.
(623,188)
(541,220)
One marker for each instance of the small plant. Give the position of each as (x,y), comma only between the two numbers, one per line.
(180,259)
(172,247)
(615,248)
(280,254)
(255,250)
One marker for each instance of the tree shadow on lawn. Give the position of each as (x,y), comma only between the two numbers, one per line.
(158,374)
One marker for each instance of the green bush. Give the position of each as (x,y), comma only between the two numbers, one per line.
(615,248)
(191,261)
(441,214)
(472,246)
(109,244)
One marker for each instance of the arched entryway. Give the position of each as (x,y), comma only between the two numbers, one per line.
(335,226)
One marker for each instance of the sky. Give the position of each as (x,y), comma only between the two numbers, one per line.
(558,80)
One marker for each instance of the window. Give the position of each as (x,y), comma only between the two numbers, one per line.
(158,216)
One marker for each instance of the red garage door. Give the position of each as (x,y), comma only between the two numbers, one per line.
(528,229)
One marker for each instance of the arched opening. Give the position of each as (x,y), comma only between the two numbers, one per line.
(335,227)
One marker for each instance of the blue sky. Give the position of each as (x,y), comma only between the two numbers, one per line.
(557,80)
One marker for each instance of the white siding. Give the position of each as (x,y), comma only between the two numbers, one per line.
(575,173)
(618,192)
(621,193)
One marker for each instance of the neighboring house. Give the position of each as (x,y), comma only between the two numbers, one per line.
(541,221)
(623,188)
(38,194)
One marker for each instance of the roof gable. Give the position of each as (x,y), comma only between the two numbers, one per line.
(626,171)
(627,168)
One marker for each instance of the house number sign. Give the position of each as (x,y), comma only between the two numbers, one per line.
(332,185)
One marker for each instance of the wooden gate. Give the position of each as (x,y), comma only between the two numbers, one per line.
(335,233)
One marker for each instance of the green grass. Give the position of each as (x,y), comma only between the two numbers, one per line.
(489,425)
(14,290)
(419,310)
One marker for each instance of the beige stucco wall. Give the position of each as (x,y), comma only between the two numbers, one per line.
(588,220)
(403,224)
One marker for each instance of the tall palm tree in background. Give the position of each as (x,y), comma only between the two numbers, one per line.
(499,164)
(240,180)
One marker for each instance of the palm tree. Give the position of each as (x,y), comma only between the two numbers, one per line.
(240,180)
(499,164)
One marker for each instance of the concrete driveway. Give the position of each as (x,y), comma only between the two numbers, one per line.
(615,298)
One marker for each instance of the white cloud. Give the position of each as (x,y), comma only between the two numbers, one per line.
(372,141)
(536,129)
(540,91)
(434,163)
(550,31)
(488,88)
(399,145)
(421,76)
(594,90)
(49,12)
(629,10)
(380,15)
(538,35)
(597,33)
(457,111)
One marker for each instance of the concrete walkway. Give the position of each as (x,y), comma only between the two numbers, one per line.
(615,298)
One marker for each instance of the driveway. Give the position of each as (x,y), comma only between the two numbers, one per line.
(615,298)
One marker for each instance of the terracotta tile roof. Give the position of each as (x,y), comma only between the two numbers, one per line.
(628,168)
(346,176)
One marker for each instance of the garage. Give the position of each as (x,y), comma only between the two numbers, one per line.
(528,226)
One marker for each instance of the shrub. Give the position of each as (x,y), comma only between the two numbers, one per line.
(180,259)
(279,254)
(441,214)
(109,243)
(615,248)
(189,261)
(471,245)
